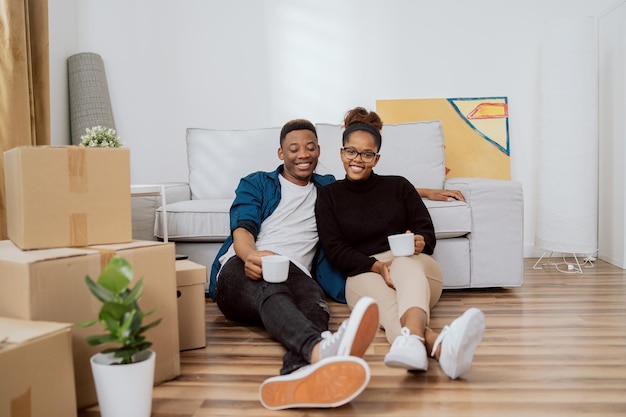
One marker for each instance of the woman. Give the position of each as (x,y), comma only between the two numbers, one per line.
(354,218)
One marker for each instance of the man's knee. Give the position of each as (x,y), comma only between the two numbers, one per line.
(323,304)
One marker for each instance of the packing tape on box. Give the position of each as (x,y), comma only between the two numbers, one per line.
(105,256)
(21,405)
(77,168)
(79,235)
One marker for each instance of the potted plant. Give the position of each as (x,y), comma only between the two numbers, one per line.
(100,137)
(124,371)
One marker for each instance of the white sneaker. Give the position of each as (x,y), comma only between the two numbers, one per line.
(459,341)
(355,334)
(331,382)
(407,352)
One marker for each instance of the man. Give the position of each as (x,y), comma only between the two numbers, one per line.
(273,213)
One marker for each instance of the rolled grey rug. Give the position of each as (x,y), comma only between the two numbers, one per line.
(90,104)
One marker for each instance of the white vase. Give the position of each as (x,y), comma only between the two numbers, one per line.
(124,390)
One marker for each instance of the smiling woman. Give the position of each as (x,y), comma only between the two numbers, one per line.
(406,286)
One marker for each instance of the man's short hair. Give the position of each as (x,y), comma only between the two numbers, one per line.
(296,124)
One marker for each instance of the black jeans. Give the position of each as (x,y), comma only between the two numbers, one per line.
(294,312)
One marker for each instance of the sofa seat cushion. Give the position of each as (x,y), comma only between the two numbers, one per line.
(196,220)
(208,220)
(450,218)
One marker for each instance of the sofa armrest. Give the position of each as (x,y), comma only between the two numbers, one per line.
(144,208)
(497,236)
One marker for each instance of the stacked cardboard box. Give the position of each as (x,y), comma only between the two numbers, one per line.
(36,373)
(190,280)
(59,196)
(68,213)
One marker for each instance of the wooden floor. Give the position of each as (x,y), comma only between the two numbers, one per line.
(554,347)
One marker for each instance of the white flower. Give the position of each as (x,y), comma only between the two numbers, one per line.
(101,137)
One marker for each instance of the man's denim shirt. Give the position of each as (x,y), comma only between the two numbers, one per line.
(256,198)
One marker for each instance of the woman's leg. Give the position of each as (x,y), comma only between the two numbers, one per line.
(419,282)
(454,346)
(371,284)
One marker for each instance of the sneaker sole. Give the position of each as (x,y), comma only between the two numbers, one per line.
(362,327)
(334,382)
(472,335)
(399,361)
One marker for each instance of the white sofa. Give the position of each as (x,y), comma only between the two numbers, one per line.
(479,241)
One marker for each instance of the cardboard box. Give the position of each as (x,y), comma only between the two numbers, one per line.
(67,196)
(36,370)
(190,280)
(50,285)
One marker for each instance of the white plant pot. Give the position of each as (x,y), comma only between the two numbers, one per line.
(124,390)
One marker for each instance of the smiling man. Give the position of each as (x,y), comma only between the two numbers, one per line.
(274,213)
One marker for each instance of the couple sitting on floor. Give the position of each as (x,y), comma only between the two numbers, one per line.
(292,209)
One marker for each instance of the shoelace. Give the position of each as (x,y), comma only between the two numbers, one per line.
(406,334)
(440,338)
(329,338)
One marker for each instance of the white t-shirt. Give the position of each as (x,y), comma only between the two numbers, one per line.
(291,230)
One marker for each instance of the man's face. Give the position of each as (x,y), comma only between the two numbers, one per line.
(300,152)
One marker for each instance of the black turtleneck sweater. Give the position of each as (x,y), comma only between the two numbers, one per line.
(355,218)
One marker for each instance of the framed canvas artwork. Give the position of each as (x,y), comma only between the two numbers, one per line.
(475,131)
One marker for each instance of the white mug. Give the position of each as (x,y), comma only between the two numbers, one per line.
(275,268)
(402,244)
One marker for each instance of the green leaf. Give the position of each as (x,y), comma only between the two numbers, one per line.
(100,339)
(86,323)
(149,326)
(117,275)
(144,346)
(135,294)
(114,311)
(136,323)
(99,291)
(128,321)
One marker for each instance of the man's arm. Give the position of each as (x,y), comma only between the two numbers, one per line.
(440,195)
(245,248)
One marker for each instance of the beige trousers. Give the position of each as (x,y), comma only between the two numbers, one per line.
(418,281)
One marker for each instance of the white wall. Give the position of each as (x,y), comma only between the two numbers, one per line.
(252,63)
(612,117)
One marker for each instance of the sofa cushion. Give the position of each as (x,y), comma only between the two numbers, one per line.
(218,159)
(208,220)
(450,218)
(413,150)
(196,220)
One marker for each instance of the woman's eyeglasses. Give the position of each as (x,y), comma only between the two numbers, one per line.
(366,156)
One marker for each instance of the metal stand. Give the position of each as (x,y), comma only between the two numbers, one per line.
(571,268)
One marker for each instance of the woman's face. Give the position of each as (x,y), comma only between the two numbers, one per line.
(357,169)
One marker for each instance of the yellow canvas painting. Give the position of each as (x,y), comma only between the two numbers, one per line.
(475,131)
